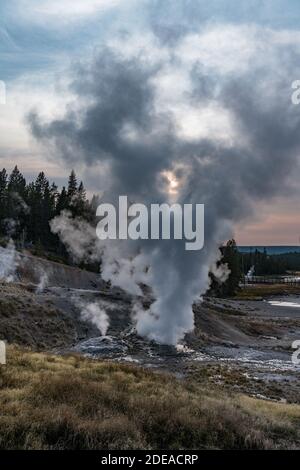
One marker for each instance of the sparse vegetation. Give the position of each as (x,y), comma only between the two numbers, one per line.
(259,291)
(53,402)
(27,322)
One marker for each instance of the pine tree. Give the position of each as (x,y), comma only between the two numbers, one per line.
(17,182)
(79,202)
(41,184)
(3,194)
(82,192)
(3,181)
(231,258)
(54,197)
(41,197)
(62,201)
(16,208)
(72,185)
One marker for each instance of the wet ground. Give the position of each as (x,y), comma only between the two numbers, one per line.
(243,345)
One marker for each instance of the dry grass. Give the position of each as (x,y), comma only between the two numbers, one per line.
(258,291)
(26,321)
(52,402)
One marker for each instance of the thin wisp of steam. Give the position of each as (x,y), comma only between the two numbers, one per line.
(92,312)
(44,279)
(9,260)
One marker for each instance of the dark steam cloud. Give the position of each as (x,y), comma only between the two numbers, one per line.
(228,135)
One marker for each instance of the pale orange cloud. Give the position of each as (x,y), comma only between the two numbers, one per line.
(277,224)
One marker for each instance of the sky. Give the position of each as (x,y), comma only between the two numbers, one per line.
(43,44)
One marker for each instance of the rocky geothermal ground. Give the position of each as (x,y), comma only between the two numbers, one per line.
(243,344)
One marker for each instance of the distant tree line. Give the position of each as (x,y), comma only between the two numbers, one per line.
(27,208)
(266,265)
(239,265)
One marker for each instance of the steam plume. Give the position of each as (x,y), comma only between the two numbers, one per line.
(43,282)
(93,313)
(204,108)
(9,260)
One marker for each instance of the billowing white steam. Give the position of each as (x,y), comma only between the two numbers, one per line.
(9,259)
(82,243)
(78,236)
(129,269)
(93,313)
(220,271)
(202,108)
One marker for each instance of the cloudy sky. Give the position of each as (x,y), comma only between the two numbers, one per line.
(44,44)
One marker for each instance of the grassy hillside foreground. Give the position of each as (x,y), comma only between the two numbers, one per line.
(53,402)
